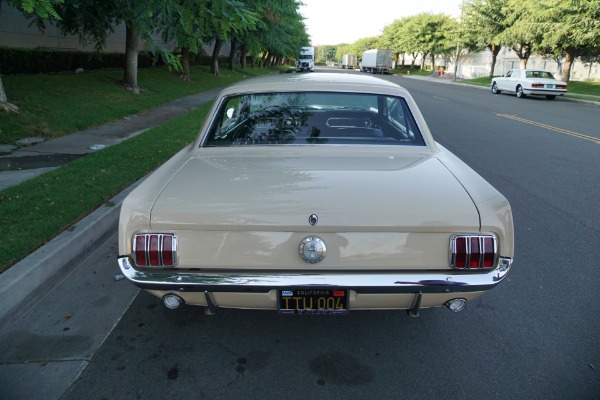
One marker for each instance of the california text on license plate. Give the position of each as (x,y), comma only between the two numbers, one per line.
(313,301)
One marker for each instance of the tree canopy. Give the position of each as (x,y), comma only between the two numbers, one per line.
(275,30)
(263,27)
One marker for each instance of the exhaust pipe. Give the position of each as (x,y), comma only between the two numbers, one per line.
(456,305)
(172,301)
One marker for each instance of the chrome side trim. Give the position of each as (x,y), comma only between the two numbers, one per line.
(360,281)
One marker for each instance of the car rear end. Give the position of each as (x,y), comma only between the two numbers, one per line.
(316,209)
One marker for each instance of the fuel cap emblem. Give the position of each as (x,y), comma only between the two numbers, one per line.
(312,249)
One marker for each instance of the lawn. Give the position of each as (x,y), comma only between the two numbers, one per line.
(54,105)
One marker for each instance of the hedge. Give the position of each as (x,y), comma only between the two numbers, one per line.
(35,61)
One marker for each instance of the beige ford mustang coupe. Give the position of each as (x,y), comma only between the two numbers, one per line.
(315,194)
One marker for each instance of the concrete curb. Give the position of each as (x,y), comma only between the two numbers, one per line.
(23,283)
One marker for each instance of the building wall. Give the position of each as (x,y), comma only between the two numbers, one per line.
(16,31)
(475,65)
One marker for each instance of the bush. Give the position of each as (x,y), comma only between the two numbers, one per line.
(36,61)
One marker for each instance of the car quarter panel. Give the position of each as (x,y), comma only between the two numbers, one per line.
(494,209)
(135,210)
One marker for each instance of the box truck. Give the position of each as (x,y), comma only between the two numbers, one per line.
(377,61)
(306,59)
(349,61)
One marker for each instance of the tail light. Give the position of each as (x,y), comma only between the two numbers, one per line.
(561,86)
(473,251)
(155,249)
(537,85)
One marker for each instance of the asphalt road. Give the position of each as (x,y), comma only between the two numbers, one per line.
(536,336)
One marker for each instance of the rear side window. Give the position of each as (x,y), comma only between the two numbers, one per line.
(314,118)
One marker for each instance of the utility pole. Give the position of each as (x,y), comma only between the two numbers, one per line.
(462,12)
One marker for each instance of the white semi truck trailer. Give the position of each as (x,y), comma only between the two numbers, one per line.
(377,61)
(349,61)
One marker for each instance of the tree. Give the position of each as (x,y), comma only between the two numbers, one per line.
(42,9)
(326,53)
(182,23)
(345,48)
(281,33)
(407,39)
(429,35)
(94,21)
(367,43)
(228,19)
(392,39)
(572,27)
(484,21)
(522,35)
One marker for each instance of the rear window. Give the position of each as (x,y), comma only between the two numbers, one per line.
(313,118)
(539,74)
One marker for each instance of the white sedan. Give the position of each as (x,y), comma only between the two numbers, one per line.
(315,194)
(525,82)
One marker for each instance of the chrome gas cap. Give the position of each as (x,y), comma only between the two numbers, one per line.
(312,249)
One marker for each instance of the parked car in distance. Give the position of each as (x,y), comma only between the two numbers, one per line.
(525,82)
(315,194)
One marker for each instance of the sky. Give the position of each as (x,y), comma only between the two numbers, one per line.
(345,21)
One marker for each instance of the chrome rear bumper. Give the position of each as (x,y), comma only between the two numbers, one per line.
(360,281)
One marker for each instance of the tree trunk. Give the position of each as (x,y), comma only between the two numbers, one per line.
(523,52)
(243,52)
(185,63)
(131,58)
(263,59)
(232,54)
(423,60)
(570,56)
(214,64)
(432,62)
(4,104)
(414,59)
(495,49)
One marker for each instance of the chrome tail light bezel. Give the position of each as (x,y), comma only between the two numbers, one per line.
(164,254)
(474,243)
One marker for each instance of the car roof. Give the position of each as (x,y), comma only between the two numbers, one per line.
(315,81)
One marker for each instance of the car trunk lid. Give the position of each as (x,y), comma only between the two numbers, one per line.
(384,211)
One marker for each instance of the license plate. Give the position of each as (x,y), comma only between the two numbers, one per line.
(549,86)
(313,301)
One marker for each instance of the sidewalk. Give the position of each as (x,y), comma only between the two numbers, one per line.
(28,162)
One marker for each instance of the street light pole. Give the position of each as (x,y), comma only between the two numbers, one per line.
(462,10)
